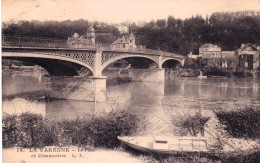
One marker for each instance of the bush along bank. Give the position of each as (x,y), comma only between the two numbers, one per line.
(242,123)
(32,130)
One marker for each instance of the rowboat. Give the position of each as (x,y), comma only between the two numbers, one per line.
(178,145)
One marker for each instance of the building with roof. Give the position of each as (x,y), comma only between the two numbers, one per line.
(209,51)
(85,41)
(124,43)
(247,56)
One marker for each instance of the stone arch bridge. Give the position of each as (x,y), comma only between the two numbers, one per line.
(59,59)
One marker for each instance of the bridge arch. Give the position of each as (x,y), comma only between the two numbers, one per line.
(46,56)
(177,61)
(110,61)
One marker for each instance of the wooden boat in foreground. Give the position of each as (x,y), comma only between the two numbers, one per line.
(177,145)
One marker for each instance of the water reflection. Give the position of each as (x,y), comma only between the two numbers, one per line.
(152,102)
(72,88)
(68,109)
(19,105)
(15,82)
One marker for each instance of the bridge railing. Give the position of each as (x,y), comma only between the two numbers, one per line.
(140,49)
(22,41)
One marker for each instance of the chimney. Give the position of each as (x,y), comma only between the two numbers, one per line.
(242,45)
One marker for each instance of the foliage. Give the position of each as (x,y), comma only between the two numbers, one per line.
(61,30)
(193,124)
(190,159)
(9,130)
(68,133)
(242,123)
(213,66)
(245,158)
(105,130)
(191,63)
(32,130)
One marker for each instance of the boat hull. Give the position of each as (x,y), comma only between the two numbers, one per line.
(148,148)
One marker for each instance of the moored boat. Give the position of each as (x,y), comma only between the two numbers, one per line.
(178,145)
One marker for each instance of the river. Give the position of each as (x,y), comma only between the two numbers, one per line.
(154,103)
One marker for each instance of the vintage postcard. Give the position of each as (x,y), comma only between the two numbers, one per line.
(130,81)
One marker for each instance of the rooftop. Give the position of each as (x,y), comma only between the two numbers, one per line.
(91,29)
(208,45)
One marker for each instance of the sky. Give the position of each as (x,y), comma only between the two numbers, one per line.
(116,11)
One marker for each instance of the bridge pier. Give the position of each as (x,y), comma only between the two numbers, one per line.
(99,87)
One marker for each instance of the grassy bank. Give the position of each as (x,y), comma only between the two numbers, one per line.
(240,123)
(32,130)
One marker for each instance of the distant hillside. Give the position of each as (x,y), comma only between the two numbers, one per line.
(227,30)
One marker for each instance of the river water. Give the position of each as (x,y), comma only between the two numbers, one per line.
(156,104)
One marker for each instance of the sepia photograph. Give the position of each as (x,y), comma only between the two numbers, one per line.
(130,81)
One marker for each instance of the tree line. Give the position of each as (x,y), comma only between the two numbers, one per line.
(227,30)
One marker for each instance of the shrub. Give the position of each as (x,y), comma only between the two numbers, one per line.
(71,132)
(245,158)
(97,131)
(189,159)
(9,130)
(190,63)
(64,132)
(105,130)
(241,123)
(193,124)
(32,131)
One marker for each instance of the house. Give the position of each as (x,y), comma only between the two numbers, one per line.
(215,54)
(209,51)
(247,56)
(85,41)
(124,43)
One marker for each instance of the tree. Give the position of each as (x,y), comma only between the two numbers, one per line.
(171,22)
(161,23)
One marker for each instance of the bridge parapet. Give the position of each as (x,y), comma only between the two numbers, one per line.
(22,41)
(26,41)
(142,50)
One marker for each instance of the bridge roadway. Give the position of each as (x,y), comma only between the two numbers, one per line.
(58,58)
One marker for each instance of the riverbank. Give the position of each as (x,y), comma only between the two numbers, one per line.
(213,73)
(95,140)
